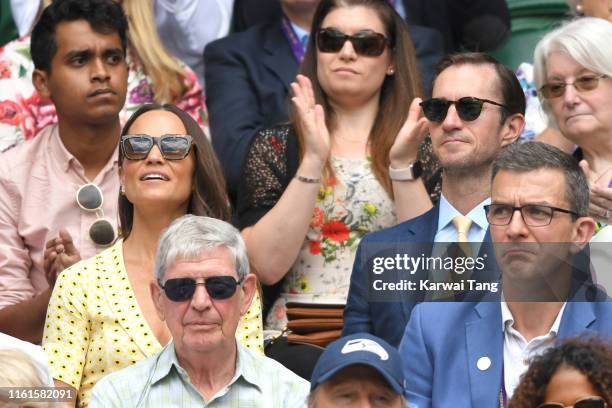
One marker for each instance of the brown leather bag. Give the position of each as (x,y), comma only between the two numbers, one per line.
(317,324)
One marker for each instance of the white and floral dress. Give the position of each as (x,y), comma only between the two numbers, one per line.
(350,204)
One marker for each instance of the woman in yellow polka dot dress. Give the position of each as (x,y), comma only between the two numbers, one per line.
(101,317)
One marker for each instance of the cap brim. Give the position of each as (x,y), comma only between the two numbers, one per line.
(392,383)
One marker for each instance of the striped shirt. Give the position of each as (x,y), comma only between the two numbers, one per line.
(160,381)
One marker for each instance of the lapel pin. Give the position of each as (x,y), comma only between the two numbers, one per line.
(483,363)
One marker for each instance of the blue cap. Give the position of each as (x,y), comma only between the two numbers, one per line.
(360,348)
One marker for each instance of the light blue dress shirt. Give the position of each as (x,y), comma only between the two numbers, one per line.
(160,381)
(301,34)
(447,231)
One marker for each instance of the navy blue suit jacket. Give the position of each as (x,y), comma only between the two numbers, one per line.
(248,76)
(387,320)
(444,341)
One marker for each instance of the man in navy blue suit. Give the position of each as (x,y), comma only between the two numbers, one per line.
(477,109)
(248,76)
(472,354)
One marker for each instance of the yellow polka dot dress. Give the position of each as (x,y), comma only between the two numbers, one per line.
(95,326)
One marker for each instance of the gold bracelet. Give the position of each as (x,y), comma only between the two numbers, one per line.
(308,179)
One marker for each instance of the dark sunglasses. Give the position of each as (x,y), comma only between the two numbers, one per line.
(468,108)
(89,198)
(172,147)
(588,402)
(218,287)
(368,43)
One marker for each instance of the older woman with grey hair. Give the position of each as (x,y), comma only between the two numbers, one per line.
(573,65)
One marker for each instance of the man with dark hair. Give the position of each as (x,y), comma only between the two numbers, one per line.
(473,353)
(78,48)
(477,109)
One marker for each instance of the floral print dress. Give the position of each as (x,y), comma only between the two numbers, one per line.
(349,205)
(23,112)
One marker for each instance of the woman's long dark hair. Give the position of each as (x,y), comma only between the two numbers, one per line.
(397,90)
(209,196)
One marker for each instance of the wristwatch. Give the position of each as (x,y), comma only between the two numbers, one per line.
(411,172)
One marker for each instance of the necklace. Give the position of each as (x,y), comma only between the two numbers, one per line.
(351,140)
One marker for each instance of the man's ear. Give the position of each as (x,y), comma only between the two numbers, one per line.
(583,231)
(512,129)
(40,80)
(156,295)
(248,287)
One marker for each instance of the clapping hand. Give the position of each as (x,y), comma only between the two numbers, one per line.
(311,121)
(600,198)
(60,253)
(406,145)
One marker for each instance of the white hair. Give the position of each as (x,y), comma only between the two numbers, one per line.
(586,40)
(189,235)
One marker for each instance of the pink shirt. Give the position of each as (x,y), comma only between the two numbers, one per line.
(38,184)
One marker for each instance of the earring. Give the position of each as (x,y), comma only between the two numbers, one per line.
(122,190)
(579,9)
(391,71)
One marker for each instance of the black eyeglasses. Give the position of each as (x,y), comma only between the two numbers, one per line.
(588,402)
(89,198)
(468,108)
(172,147)
(582,84)
(218,287)
(534,215)
(367,42)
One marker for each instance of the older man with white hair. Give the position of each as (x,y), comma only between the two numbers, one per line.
(203,287)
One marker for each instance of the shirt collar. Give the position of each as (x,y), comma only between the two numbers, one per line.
(64,157)
(508,319)
(165,360)
(476,214)
(246,367)
(58,150)
(300,32)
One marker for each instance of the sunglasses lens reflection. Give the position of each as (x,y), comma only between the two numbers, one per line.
(137,147)
(175,147)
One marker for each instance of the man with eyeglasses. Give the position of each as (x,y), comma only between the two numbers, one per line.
(473,353)
(477,109)
(203,287)
(62,187)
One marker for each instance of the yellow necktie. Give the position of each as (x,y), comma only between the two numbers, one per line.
(462,224)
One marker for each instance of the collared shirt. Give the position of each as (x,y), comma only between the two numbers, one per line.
(518,351)
(447,231)
(95,325)
(301,34)
(160,381)
(38,185)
